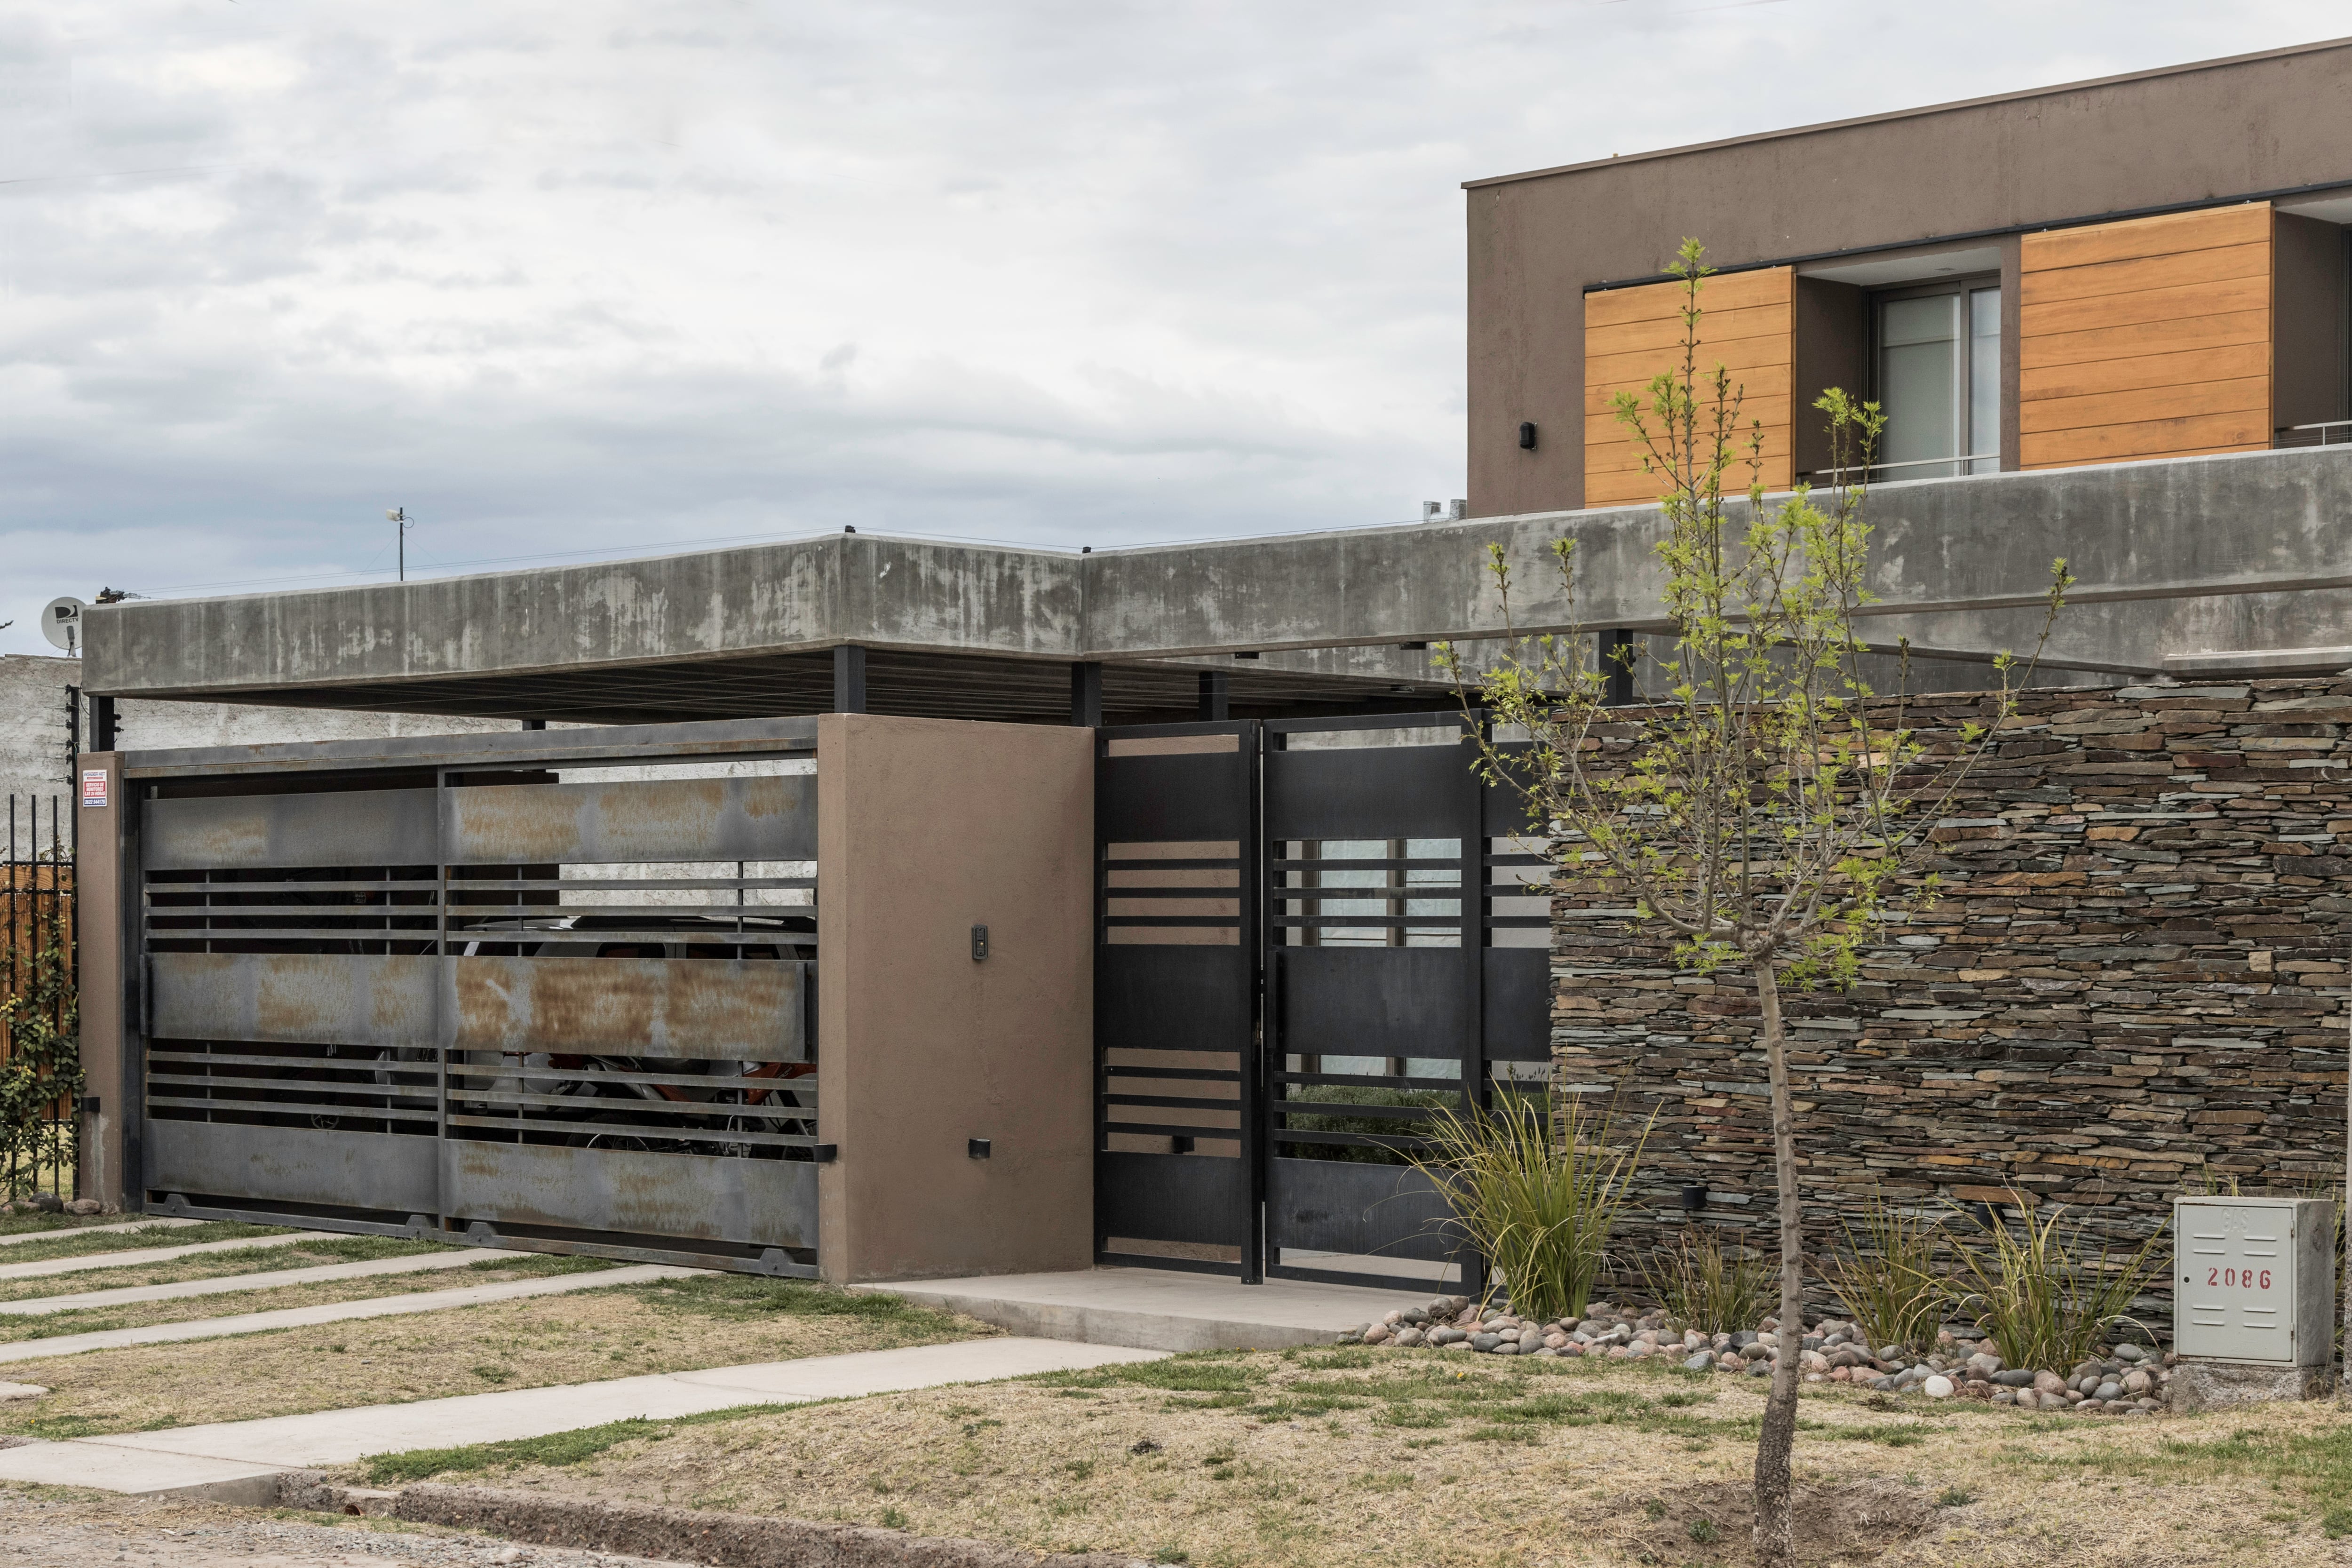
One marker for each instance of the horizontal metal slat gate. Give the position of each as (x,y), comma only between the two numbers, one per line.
(1178,1169)
(1400,965)
(563,1006)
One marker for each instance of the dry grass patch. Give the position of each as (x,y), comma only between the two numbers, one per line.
(213,1265)
(73,1243)
(1326,1458)
(23,1223)
(275,1298)
(703,1320)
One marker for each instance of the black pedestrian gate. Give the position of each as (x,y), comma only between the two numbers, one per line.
(1312,937)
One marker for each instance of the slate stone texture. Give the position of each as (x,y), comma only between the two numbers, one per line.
(2134,981)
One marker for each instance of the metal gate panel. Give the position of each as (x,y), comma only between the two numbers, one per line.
(1186,1199)
(313,998)
(578,1010)
(1170,998)
(246,832)
(1176,1167)
(1172,797)
(1367,792)
(693,1009)
(1361,1210)
(1518,1003)
(1367,1018)
(293,1165)
(1375,1002)
(771,817)
(752,1202)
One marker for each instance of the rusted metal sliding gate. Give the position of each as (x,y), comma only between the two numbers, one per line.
(1311,937)
(554,989)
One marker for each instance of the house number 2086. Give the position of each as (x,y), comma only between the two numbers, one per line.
(2238,1279)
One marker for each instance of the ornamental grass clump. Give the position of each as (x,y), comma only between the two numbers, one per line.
(2046,1294)
(1889,1280)
(1707,1286)
(1539,1206)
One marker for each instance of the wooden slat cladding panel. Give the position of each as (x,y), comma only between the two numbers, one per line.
(1631,335)
(2151,337)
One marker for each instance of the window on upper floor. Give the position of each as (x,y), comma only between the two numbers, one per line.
(1938,375)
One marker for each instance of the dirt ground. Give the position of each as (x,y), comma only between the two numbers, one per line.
(713,1319)
(1366,1457)
(57,1528)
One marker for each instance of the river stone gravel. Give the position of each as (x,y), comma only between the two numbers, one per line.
(2123,1380)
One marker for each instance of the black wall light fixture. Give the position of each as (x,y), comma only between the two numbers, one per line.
(1526,436)
(1694,1200)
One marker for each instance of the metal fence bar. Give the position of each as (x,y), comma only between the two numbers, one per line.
(38,912)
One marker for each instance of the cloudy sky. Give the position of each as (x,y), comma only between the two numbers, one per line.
(574,276)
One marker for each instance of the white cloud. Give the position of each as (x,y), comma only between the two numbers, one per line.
(585,274)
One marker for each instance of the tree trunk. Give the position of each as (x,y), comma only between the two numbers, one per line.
(1775,1445)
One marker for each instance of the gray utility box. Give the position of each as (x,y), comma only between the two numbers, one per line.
(2254,1280)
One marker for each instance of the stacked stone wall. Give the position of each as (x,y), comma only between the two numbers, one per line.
(2132,984)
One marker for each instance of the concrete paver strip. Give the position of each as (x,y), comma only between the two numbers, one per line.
(1158,1309)
(340,1436)
(139,1256)
(152,1222)
(229,1284)
(337,1311)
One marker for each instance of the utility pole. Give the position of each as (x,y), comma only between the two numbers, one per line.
(399,515)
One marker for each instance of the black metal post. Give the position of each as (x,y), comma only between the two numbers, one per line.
(1618,654)
(1085,695)
(1216,688)
(849,678)
(1259,1060)
(1477,1084)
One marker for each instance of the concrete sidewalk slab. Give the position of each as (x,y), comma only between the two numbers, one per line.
(153,1222)
(340,1436)
(239,1460)
(110,1469)
(144,1255)
(1157,1309)
(229,1284)
(339,1311)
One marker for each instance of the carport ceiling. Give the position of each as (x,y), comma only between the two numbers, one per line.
(922,685)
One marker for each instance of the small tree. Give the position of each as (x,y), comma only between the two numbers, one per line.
(1763,810)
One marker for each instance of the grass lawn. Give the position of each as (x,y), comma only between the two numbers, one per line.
(213,1265)
(76,1241)
(670,1325)
(18,1223)
(1355,1457)
(271,1299)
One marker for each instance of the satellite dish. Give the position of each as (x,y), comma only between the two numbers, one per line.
(61,623)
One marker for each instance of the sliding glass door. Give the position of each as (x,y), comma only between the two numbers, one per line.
(1939,381)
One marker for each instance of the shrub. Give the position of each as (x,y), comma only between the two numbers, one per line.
(1704,1286)
(1539,1207)
(1888,1279)
(1297,1117)
(2046,1297)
